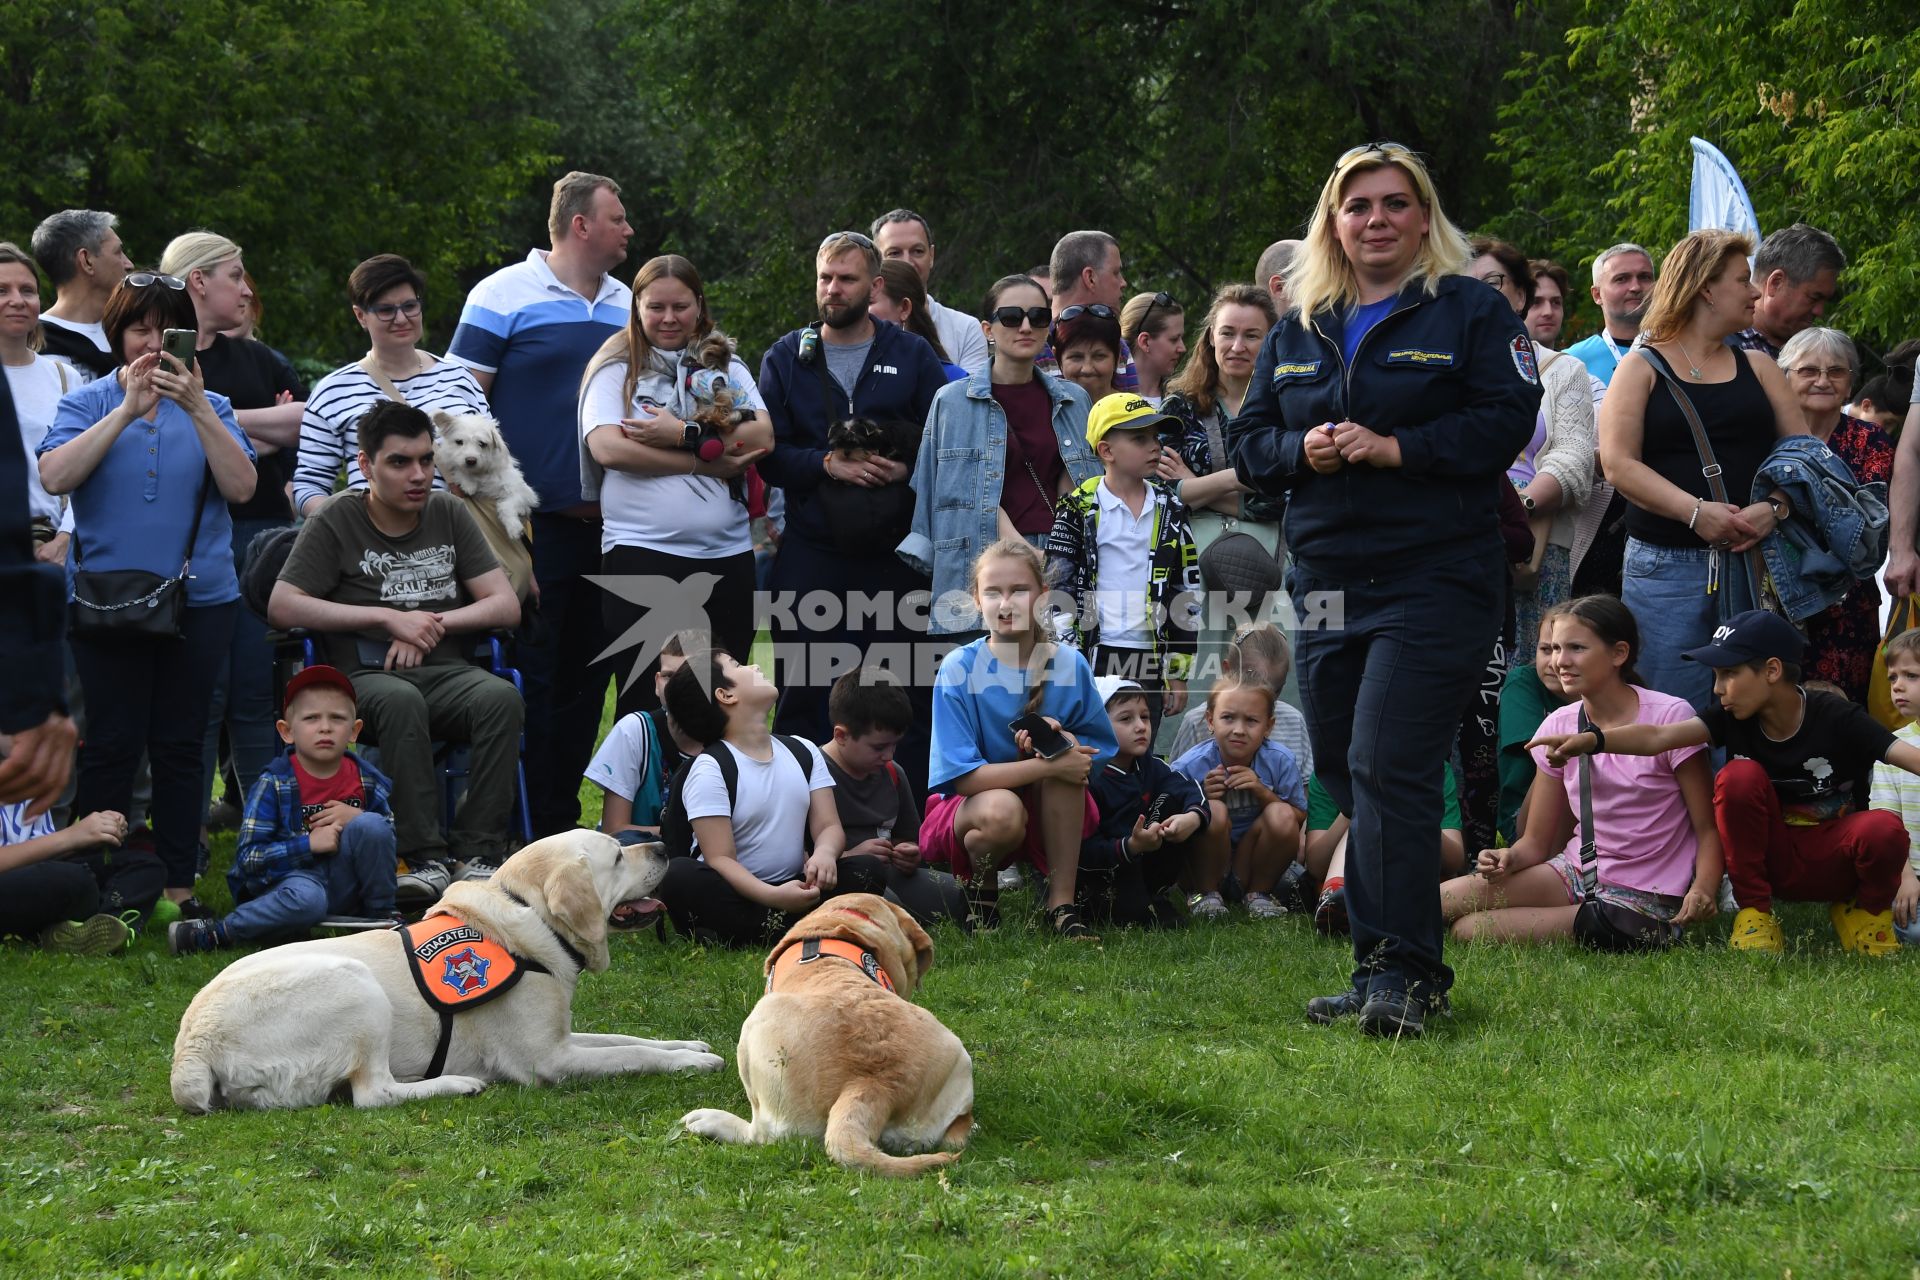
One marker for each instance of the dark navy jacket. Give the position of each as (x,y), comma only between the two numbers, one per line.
(1122,795)
(901,376)
(1451,377)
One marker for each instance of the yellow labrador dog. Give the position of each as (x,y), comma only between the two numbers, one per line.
(479,990)
(834,1049)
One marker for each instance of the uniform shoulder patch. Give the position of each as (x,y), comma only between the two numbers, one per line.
(1523,361)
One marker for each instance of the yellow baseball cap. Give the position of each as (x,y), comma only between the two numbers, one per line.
(1123,411)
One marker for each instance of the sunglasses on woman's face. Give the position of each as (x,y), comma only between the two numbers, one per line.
(1037,317)
(1100,309)
(141,279)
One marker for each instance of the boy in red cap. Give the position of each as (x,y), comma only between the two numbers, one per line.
(1790,804)
(317,840)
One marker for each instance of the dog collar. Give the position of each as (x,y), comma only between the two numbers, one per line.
(573,954)
(808,950)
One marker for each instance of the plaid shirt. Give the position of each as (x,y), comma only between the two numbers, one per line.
(1173,573)
(273,838)
(1754,340)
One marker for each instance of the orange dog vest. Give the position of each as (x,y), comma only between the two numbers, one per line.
(809,950)
(456,968)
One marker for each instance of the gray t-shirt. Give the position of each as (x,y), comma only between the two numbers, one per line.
(881,799)
(846,363)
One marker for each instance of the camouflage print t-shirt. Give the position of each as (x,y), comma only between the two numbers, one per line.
(340,556)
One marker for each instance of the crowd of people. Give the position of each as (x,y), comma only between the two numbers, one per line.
(1369,598)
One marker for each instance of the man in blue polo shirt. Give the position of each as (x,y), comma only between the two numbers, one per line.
(527,333)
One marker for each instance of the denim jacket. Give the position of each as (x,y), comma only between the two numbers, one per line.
(1837,534)
(956,484)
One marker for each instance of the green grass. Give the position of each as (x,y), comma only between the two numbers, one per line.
(1155,1106)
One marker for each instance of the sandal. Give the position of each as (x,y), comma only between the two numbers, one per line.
(1067,924)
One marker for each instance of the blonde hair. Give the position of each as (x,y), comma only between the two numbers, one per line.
(573,197)
(10,252)
(1904,645)
(1233,684)
(197,251)
(1198,382)
(630,344)
(1322,279)
(1695,263)
(1020,549)
(1265,644)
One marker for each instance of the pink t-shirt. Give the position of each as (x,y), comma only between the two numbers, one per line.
(1643,838)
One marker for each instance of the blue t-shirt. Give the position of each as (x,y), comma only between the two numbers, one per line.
(535,336)
(134,511)
(1273,764)
(975,697)
(1361,319)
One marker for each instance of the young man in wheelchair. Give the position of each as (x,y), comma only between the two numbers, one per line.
(398,580)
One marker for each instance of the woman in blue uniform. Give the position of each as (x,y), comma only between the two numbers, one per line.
(1386,406)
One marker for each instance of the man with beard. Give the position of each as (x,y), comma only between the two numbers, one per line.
(844,503)
(1622,285)
(1797,271)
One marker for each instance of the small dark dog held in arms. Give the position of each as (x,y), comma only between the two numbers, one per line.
(863,438)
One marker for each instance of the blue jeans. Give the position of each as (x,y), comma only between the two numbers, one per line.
(1909,934)
(1383,696)
(1666,588)
(243,690)
(356,879)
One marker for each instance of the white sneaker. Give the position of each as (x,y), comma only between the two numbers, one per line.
(420,887)
(1206,906)
(1262,907)
(1011,879)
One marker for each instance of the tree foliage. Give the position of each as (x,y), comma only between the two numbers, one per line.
(1817,103)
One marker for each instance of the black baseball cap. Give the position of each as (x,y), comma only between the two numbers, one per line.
(1753,636)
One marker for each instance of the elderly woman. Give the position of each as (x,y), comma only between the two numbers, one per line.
(1684,572)
(1821,367)
(1387,405)
(152,458)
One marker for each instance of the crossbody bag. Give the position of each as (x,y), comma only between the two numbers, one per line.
(1607,926)
(133,603)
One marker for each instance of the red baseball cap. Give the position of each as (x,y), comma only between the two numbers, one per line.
(321,677)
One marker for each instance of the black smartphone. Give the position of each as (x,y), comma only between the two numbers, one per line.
(1047,740)
(179,343)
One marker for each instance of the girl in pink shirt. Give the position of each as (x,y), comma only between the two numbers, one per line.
(1657,850)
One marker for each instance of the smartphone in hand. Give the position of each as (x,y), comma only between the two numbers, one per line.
(1047,740)
(180,343)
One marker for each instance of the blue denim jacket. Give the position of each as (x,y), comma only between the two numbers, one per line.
(1837,534)
(956,484)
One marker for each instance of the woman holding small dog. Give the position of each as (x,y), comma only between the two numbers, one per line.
(651,398)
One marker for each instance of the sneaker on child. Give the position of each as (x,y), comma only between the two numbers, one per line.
(95,936)
(1206,906)
(1263,906)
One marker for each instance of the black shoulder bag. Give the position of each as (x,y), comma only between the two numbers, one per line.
(132,603)
(1608,926)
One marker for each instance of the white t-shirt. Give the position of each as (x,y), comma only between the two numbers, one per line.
(95,333)
(37,389)
(961,335)
(770,812)
(692,516)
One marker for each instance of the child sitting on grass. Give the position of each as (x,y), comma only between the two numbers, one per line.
(1656,853)
(641,752)
(1156,829)
(878,812)
(46,896)
(317,839)
(1324,850)
(1532,689)
(1259,654)
(995,798)
(753,876)
(1259,785)
(1894,789)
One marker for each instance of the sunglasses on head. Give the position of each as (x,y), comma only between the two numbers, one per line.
(1164,301)
(141,279)
(1036,317)
(863,241)
(1100,309)
(1384,148)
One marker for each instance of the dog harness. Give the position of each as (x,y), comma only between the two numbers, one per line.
(808,950)
(457,968)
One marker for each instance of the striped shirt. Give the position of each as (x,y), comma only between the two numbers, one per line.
(14,827)
(327,431)
(1898,792)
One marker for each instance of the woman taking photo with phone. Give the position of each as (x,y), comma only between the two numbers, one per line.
(152,459)
(1388,405)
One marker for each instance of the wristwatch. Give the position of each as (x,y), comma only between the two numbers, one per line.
(1779,508)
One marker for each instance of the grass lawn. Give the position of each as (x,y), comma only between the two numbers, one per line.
(1155,1106)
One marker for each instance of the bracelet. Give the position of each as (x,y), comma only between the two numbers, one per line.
(1599,740)
(1695,515)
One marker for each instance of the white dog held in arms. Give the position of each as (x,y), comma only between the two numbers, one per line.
(472,455)
(480,990)
(836,1050)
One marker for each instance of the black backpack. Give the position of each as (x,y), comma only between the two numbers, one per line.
(676,829)
(266,557)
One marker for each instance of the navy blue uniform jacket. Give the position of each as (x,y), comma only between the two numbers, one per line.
(897,385)
(1122,795)
(1451,376)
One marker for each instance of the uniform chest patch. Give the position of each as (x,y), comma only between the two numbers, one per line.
(1523,361)
(1289,369)
(455,966)
(1414,355)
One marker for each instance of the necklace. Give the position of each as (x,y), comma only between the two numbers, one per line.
(1692,368)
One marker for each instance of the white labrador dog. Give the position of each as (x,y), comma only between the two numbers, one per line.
(835,1049)
(292,1025)
(472,455)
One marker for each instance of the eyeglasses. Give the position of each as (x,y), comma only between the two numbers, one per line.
(840,237)
(1097,309)
(388,310)
(1494,279)
(1832,373)
(1164,301)
(1011,317)
(141,279)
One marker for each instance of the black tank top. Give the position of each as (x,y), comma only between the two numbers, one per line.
(1740,427)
